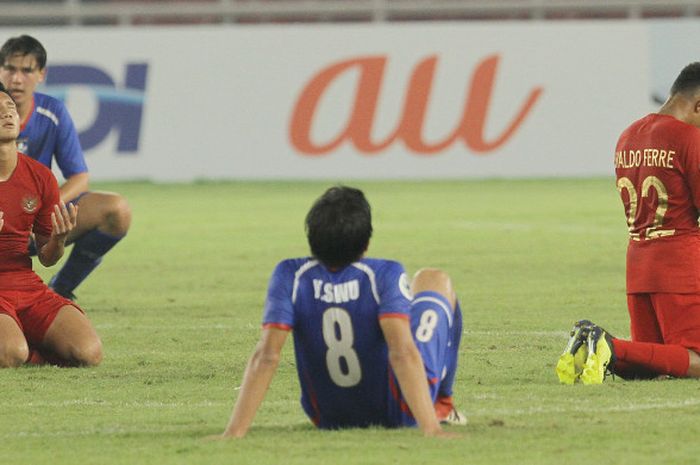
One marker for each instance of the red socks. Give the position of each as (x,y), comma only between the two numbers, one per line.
(658,358)
(443,407)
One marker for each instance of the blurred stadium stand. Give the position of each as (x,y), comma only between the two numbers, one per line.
(152,12)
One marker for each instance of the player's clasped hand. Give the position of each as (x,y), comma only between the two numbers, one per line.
(63,219)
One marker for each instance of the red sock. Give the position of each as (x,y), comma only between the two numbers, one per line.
(35,358)
(659,358)
(443,407)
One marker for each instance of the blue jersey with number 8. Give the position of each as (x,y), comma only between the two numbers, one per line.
(341,354)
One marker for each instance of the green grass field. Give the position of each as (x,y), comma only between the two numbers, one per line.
(178,306)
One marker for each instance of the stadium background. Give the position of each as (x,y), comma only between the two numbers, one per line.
(273,87)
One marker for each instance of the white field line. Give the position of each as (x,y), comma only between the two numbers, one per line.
(257,327)
(630,407)
(498,333)
(110,404)
(111,431)
(198,327)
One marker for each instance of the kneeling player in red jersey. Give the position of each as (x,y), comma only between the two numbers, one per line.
(370,350)
(657,164)
(33,318)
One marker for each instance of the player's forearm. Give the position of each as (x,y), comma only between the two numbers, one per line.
(51,252)
(408,367)
(74,186)
(256,381)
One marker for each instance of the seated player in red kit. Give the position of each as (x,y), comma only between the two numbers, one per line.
(35,323)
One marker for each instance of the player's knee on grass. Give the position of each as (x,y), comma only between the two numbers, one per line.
(72,339)
(13,353)
(435,280)
(87,353)
(118,216)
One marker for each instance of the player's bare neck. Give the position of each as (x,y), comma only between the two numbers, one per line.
(8,160)
(679,107)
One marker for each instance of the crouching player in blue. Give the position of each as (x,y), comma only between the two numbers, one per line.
(48,133)
(371,348)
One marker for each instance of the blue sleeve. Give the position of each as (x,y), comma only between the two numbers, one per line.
(68,153)
(279,310)
(394,291)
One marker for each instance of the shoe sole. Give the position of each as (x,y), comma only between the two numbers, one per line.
(593,371)
(566,371)
(597,362)
(566,365)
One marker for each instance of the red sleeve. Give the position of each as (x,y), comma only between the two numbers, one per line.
(50,196)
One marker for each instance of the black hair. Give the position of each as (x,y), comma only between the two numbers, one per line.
(23,45)
(5,91)
(688,80)
(339,226)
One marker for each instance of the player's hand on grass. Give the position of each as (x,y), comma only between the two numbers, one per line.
(446,435)
(63,219)
(220,437)
(441,433)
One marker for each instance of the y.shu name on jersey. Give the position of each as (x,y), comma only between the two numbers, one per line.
(336,293)
(646,157)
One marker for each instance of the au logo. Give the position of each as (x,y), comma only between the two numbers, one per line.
(119,109)
(471,128)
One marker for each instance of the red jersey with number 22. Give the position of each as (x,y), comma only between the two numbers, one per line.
(27,199)
(657,164)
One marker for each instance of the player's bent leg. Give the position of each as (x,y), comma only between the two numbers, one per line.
(72,338)
(435,280)
(104,219)
(14,350)
(107,211)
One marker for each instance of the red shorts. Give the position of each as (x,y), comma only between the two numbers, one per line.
(33,310)
(665,319)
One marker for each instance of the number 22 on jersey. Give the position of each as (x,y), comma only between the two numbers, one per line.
(654,230)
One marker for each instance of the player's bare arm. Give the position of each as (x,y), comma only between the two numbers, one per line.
(1,220)
(63,220)
(256,381)
(74,186)
(408,367)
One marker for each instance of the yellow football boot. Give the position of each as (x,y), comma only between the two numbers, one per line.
(601,356)
(572,360)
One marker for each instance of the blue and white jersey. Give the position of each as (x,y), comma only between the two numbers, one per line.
(341,355)
(49,132)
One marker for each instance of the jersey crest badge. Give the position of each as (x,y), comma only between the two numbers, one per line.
(29,203)
(23,145)
(405,286)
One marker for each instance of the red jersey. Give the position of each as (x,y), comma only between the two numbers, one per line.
(27,199)
(657,164)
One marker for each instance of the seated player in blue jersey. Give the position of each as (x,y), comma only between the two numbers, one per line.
(48,133)
(371,348)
